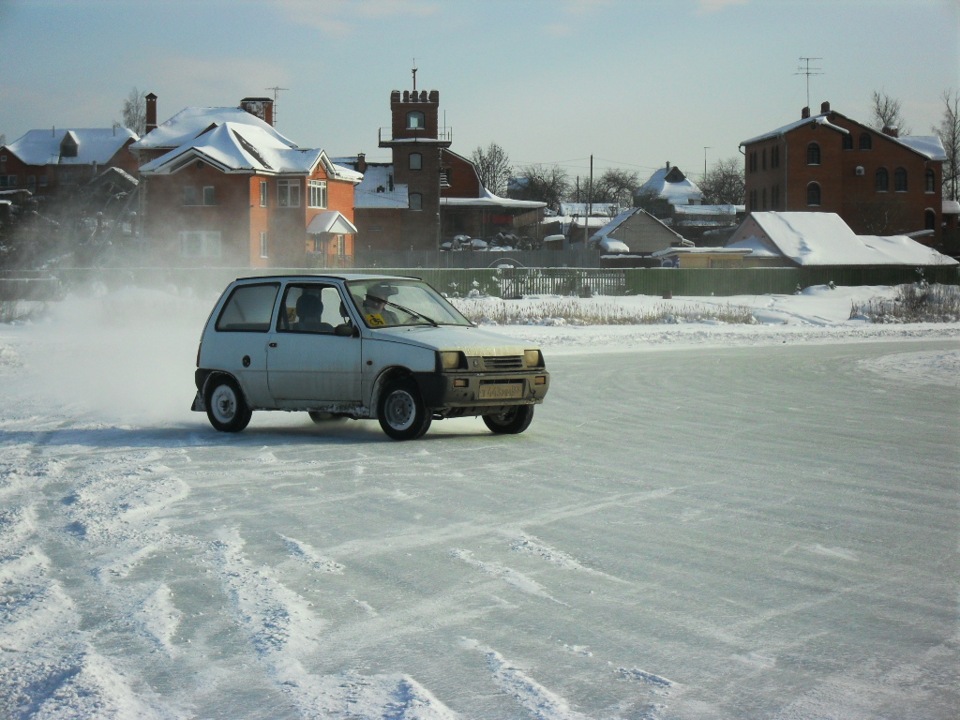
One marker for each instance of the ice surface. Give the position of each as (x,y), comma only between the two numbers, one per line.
(703,521)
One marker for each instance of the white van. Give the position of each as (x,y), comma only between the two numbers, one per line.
(359,346)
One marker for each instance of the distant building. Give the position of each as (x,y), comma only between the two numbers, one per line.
(878,182)
(670,184)
(427,194)
(49,163)
(637,232)
(792,239)
(221,187)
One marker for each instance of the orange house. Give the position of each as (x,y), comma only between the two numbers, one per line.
(878,182)
(221,187)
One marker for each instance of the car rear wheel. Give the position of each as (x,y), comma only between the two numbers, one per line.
(226,408)
(511,421)
(401,412)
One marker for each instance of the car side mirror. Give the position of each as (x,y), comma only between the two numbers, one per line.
(345,330)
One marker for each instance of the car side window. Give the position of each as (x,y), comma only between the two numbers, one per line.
(249,308)
(310,308)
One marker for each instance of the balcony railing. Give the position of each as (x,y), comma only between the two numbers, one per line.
(444,135)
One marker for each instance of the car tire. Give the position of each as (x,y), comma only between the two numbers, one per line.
(511,421)
(226,408)
(401,411)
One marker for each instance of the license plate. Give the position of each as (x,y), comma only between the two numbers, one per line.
(501,391)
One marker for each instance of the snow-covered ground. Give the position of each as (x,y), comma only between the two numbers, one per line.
(703,521)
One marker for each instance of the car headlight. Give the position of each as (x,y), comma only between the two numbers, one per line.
(452,360)
(532,358)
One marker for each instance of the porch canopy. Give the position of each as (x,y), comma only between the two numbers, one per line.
(331,222)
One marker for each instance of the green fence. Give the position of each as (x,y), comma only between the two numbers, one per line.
(518,282)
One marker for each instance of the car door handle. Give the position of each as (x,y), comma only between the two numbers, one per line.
(273,344)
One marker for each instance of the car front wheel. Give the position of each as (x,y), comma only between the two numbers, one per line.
(226,408)
(401,412)
(511,421)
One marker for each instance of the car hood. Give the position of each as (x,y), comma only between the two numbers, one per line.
(471,340)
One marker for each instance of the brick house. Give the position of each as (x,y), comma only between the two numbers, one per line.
(427,193)
(49,163)
(221,187)
(878,182)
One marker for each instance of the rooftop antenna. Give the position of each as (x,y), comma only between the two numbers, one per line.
(414,74)
(276,94)
(805,69)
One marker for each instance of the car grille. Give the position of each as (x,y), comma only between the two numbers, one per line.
(503,362)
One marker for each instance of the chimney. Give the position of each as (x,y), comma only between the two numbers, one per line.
(805,113)
(151,113)
(824,107)
(361,162)
(891,131)
(261,107)
(668,164)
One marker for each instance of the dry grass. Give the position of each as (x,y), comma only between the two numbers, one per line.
(571,311)
(917,302)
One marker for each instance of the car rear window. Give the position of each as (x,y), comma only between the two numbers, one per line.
(249,308)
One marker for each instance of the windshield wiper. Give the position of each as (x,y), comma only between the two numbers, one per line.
(414,313)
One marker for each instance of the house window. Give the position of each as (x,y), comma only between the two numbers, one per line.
(263,244)
(764,196)
(813,154)
(900,180)
(318,193)
(848,142)
(209,195)
(775,197)
(263,194)
(930,219)
(341,246)
(929,181)
(775,157)
(866,142)
(416,161)
(200,244)
(416,201)
(416,120)
(882,182)
(813,194)
(763,159)
(288,193)
(190,195)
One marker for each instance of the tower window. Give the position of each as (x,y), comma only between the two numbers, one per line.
(866,142)
(416,201)
(900,180)
(416,120)
(882,180)
(813,194)
(813,154)
(416,161)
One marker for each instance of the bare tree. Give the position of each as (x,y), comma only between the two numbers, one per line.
(135,111)
(615,186)
(493,166)
(548,184)
(886,113)
(949,132)
(724,183)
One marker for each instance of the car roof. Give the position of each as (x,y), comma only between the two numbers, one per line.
(323,276)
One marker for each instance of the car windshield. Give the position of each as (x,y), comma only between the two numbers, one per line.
(389,302)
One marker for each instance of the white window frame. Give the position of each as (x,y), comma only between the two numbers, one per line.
(263,244)
(288,193)
(209,194)
(318,193)
(264,193)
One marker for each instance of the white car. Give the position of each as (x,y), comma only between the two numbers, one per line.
(359,346)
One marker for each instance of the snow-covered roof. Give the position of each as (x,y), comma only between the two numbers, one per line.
(489,200)
(677,192)
(951,207)
(686,250)
(377,190)
(241,148)
(819,238)
(716,210)
(822,120)
(609,245)
(603,233)
(331,221)
(191,122)
(930,146)
(94,145)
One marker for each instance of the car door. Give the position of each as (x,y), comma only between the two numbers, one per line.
(307,360)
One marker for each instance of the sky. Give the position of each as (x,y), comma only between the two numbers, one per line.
(633,84)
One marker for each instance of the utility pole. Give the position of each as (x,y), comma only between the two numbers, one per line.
(805,69)
(705,148)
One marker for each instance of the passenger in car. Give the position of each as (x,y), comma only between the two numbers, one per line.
(309,315)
